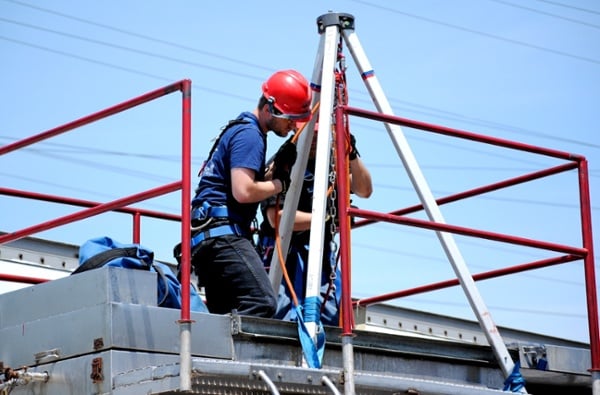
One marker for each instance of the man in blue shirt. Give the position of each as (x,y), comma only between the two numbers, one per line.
(232,183)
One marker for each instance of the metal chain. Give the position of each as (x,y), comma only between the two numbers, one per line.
(332,209)
(341,98)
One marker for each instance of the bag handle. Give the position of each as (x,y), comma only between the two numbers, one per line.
(104,257)
(162,275)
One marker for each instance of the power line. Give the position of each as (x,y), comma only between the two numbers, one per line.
(88,150)
(118,67)
(134,34)
(121,68)
(451,115)
(149,54)
(434,260)
(456,116)
(169,58)
(135,71)
(99,62)
(483,197)
(484,34)
(132,50)
(547,14)
(556,3)
(145,175)
(95,193)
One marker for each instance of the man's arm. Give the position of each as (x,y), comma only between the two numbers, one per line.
(301,221)
(246,189)
(360,179)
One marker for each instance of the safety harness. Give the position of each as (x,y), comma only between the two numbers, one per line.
(212,221)
(208,221)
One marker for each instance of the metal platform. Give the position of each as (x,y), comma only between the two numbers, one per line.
(100,332)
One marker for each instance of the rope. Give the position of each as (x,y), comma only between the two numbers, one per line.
(278,248)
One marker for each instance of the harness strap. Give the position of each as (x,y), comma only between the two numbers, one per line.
(222,230)
(240,120)
(206,211)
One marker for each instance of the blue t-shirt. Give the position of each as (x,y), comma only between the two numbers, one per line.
(242,145)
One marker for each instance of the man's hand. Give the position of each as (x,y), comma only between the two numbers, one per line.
(353,151)
(282,175)
(285,157)
(283,161)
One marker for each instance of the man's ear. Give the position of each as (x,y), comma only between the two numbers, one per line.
(265,107)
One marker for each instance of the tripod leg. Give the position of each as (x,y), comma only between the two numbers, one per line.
(431,207)
(297,176)
(322,165)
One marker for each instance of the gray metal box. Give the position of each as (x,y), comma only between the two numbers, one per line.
(106,308)
(80,291)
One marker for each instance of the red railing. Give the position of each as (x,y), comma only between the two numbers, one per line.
(121,205)
(570,253)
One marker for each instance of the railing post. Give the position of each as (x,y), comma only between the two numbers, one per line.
(185,322)
(590,275)
(137,224)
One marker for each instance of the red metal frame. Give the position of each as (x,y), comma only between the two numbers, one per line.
(572,253)
(120,205)
(22,279)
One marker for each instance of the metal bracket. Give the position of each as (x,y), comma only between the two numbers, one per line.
(344,21)
(46,356)
(97,374)
(536,357)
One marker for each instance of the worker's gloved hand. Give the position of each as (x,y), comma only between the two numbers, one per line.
(282,175)
(353,151)
(283,160)
(285,157)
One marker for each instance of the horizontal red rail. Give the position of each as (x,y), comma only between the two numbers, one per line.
(462,134)
(92,117)
(22,279)
(477,277)
(581,252)
(481,190)
(86,203)
(90,212)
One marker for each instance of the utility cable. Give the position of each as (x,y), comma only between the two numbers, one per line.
(488,35)
(570,6)
(547,13)
(453,117)
(176,45)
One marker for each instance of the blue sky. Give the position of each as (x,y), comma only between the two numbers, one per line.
(525,71)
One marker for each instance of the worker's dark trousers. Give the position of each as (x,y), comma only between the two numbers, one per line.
(234,277)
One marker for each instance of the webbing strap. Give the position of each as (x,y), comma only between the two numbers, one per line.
(165,282)
(233,122)
(313,350)
(515,381)
(227,229)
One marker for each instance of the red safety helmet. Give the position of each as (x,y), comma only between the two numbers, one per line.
(289,93)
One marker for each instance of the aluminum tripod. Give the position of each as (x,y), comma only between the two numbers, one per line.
(331,27)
